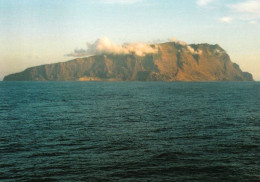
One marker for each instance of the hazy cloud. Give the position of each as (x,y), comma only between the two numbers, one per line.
(243,10)
(105,46)
(78,53)
(203,2)
(122,1)
(252,6)
(253,22)
(247,10)
(226,19)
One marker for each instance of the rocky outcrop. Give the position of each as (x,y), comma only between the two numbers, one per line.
(172,62)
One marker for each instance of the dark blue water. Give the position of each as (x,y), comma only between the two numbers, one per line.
(132,131)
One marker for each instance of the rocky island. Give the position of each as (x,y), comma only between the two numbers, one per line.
(171,61)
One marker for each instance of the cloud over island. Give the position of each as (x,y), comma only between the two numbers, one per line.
(106,46)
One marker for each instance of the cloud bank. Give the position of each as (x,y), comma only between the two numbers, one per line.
(105,46)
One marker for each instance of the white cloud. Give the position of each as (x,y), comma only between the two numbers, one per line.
(105,46)
(178,41)
(226,19)
(194,51)
(203,2)
(251,6)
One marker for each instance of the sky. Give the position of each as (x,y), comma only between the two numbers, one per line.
(36,32)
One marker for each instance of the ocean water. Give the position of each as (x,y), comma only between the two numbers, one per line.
(129,131)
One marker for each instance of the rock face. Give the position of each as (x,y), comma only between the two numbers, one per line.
(172,62)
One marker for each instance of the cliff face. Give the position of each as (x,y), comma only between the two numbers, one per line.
(172,62)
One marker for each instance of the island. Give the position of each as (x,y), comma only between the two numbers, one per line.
(172,61)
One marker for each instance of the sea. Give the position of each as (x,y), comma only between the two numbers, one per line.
(129,131)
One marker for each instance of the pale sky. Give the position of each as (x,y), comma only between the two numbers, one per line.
(36,32)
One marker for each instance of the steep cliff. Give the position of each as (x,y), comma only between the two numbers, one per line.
(172,62)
